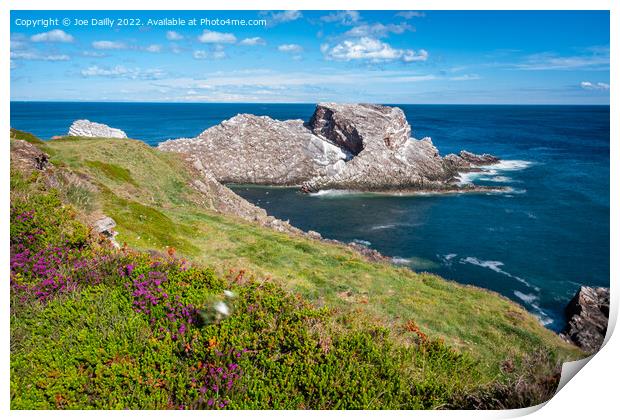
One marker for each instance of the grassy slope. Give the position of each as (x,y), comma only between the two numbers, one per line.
(146,192)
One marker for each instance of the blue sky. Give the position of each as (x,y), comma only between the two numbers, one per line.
(463,57)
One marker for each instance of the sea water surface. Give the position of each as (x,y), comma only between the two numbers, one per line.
(535,244)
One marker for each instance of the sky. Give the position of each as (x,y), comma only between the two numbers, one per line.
(391,57)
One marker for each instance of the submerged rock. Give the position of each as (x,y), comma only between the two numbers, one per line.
(85,128)
(587,315)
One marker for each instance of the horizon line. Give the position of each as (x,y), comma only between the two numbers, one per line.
(304,103)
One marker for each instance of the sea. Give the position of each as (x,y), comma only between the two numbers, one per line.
(535,243)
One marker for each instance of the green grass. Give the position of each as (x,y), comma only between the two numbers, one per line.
(154,207)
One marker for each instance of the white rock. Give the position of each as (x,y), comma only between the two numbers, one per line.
(85,128)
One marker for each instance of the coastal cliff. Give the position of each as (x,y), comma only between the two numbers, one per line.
(361,147)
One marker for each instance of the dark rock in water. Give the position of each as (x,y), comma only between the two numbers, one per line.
(587,315)
(468,162)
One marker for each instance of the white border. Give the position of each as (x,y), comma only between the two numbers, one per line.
(591,395)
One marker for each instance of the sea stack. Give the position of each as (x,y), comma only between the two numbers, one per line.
(361,147)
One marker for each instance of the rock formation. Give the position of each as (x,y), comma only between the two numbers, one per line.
(260,150)
(344,146)
(85,128)
(467,162)
(587,315)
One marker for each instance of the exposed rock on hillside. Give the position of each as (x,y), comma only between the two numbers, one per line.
(224,200)
(344,146)
(588,314)
(85,128)
(260,150)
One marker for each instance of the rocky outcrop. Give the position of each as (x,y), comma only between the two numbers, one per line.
(105,226)
(85,128)
(587,315)
(385,157)
(467,162)
(344,146)
(222,199)
(27,157)
(260,150)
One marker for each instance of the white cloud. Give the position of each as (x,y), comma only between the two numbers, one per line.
(108,45)
(379,30)
(97,54)
(55,35)
(17,44)
(290,48)
(410,56)
(372,50)
(410,14)
(218,54)
(282,17)
(173,36)
(550,61)
(344,17)
(594,86)
(465,77)
(253,41)
(153,48)
(36,56)
(212,37)
(122,72)
(200,55)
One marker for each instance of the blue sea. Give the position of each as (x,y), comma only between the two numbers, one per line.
(535,244)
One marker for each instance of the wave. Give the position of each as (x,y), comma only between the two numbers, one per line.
(527,298)
(509,165)
(394,225)
(532,301)
(496,266)
(492,173)
(333,193)
(502,179)
(361,242)
(401,261)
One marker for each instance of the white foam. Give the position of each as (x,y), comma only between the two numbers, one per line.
(469,177)
(401,261)
(381,227)
(332,193)
(361,242)
(527,298)
(532,301)
(542,315)
(509,165)
(448,257)
(502,179)
(496,266)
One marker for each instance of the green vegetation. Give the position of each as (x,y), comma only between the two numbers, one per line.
(314,325)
